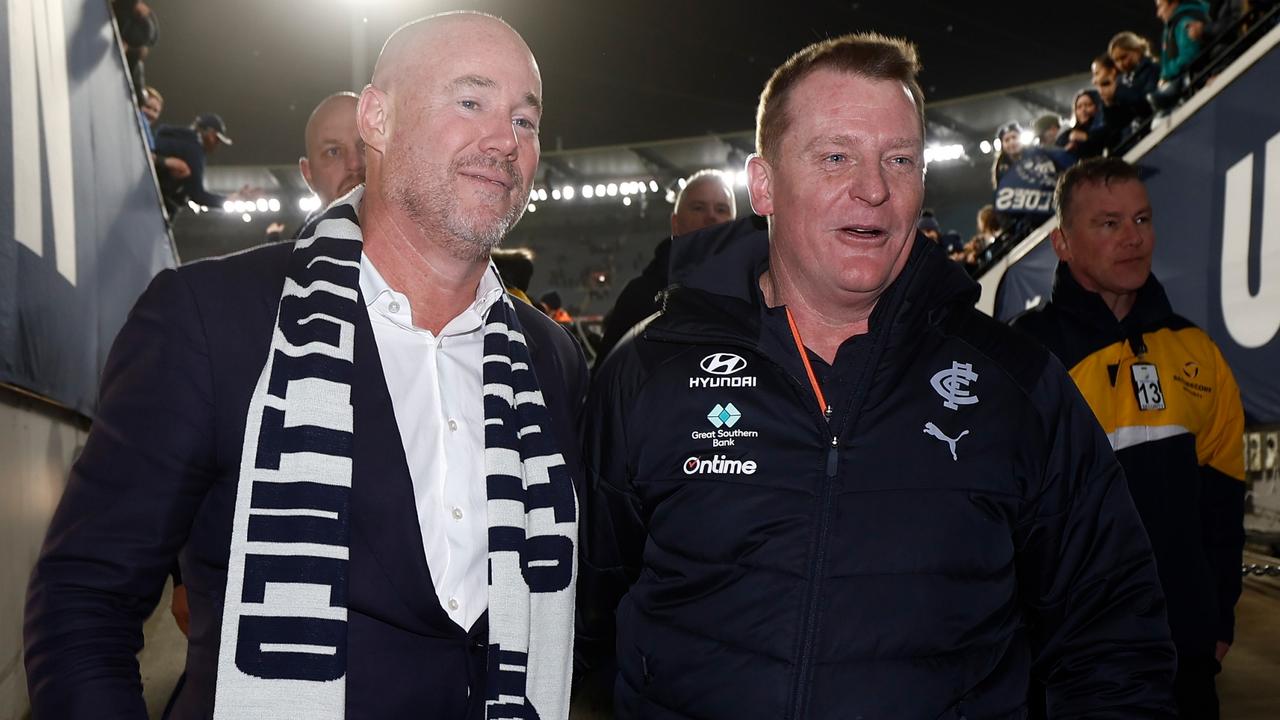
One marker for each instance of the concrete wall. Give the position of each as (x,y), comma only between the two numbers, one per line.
(38,443)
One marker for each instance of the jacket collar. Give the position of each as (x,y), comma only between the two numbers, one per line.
(1150,309)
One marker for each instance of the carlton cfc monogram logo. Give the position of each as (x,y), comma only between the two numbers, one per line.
(953,385)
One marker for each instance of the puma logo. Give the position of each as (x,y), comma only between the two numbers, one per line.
(931,429)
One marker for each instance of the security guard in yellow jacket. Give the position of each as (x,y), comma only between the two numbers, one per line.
(1163,393)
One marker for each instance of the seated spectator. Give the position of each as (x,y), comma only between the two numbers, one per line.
(928,225)
(515,267)
(1086,137)
(1139,73)
(1118,119)
(1046,128)
(1184,24)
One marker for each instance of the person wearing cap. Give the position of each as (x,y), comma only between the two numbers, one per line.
(191,145)
(1046,128)
(928,224)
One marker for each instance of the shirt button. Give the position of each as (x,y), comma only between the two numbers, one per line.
(393,306)
(453,424)
(453,603)
(457,513)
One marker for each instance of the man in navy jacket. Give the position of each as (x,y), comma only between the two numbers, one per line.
(160,470)
(822,485)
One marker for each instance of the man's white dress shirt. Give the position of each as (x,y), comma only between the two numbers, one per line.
(437,394)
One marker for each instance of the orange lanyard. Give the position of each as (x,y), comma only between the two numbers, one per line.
(808,368)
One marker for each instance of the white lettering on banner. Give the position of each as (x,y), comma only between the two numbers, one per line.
(1024,199)
(41,113)
(1252,320)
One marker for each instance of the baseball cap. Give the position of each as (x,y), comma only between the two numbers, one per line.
(928,222)
(213,121)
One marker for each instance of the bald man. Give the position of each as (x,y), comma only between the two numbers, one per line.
(334,161)
(705,200)
(365,451)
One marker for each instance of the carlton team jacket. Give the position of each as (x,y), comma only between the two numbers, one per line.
(957,524)
(1171,408)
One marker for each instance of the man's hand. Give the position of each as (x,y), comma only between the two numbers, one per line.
(1195,30)
(177,168)
(1220,651)
(181,612)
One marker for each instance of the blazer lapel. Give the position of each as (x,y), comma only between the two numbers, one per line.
(383,513)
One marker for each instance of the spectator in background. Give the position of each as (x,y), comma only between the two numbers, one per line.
(333,164)
(1010,139)
(1139,73)
(706,199)
(1184,24)
(1117,118)
(1046,128)
(139,31)
(1086,137)
(1024,178)
(515,267)
(554,307)
(166,166)
(928,225)
(191,145)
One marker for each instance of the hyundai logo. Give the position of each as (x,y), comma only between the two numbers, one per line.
(723,363)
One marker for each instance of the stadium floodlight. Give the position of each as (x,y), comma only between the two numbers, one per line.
(533,208)
(937,153)
(653,186)
(985,147)
(612,190)
(626,201)
(683,182)
(246,217)
(567,192)
(555,194)
(262,204)
(228,206)
(588,192)
(1027,137)
(310,203)
(273,205)
(599,189)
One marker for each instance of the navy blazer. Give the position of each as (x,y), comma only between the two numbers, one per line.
(159,474)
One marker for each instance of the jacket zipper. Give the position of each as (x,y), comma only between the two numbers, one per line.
(808,622)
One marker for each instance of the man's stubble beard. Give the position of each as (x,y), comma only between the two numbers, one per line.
(428,193)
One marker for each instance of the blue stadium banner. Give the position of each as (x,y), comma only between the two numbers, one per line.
(81,231)
(1215,191)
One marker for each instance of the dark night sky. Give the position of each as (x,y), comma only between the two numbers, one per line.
(613,72)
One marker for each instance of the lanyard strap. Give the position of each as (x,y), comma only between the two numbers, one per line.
(808,368)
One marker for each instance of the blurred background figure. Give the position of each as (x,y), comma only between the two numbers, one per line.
(139,31)
(705,200)
(192,145)
(1086,137)
(515,266)
(1046,128)
(333,163)
(1139,73)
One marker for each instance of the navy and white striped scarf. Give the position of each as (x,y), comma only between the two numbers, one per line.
(283,649)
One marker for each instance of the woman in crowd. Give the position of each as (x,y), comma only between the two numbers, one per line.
(1087,136)
(1139,72)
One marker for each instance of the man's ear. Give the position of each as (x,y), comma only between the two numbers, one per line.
(373,115)
(305,168)
(1060,247)
(760,185)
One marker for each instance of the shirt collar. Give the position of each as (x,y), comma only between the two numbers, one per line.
(394,305)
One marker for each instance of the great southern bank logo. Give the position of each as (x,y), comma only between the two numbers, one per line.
(724,415)
(723,367)
(718,465)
